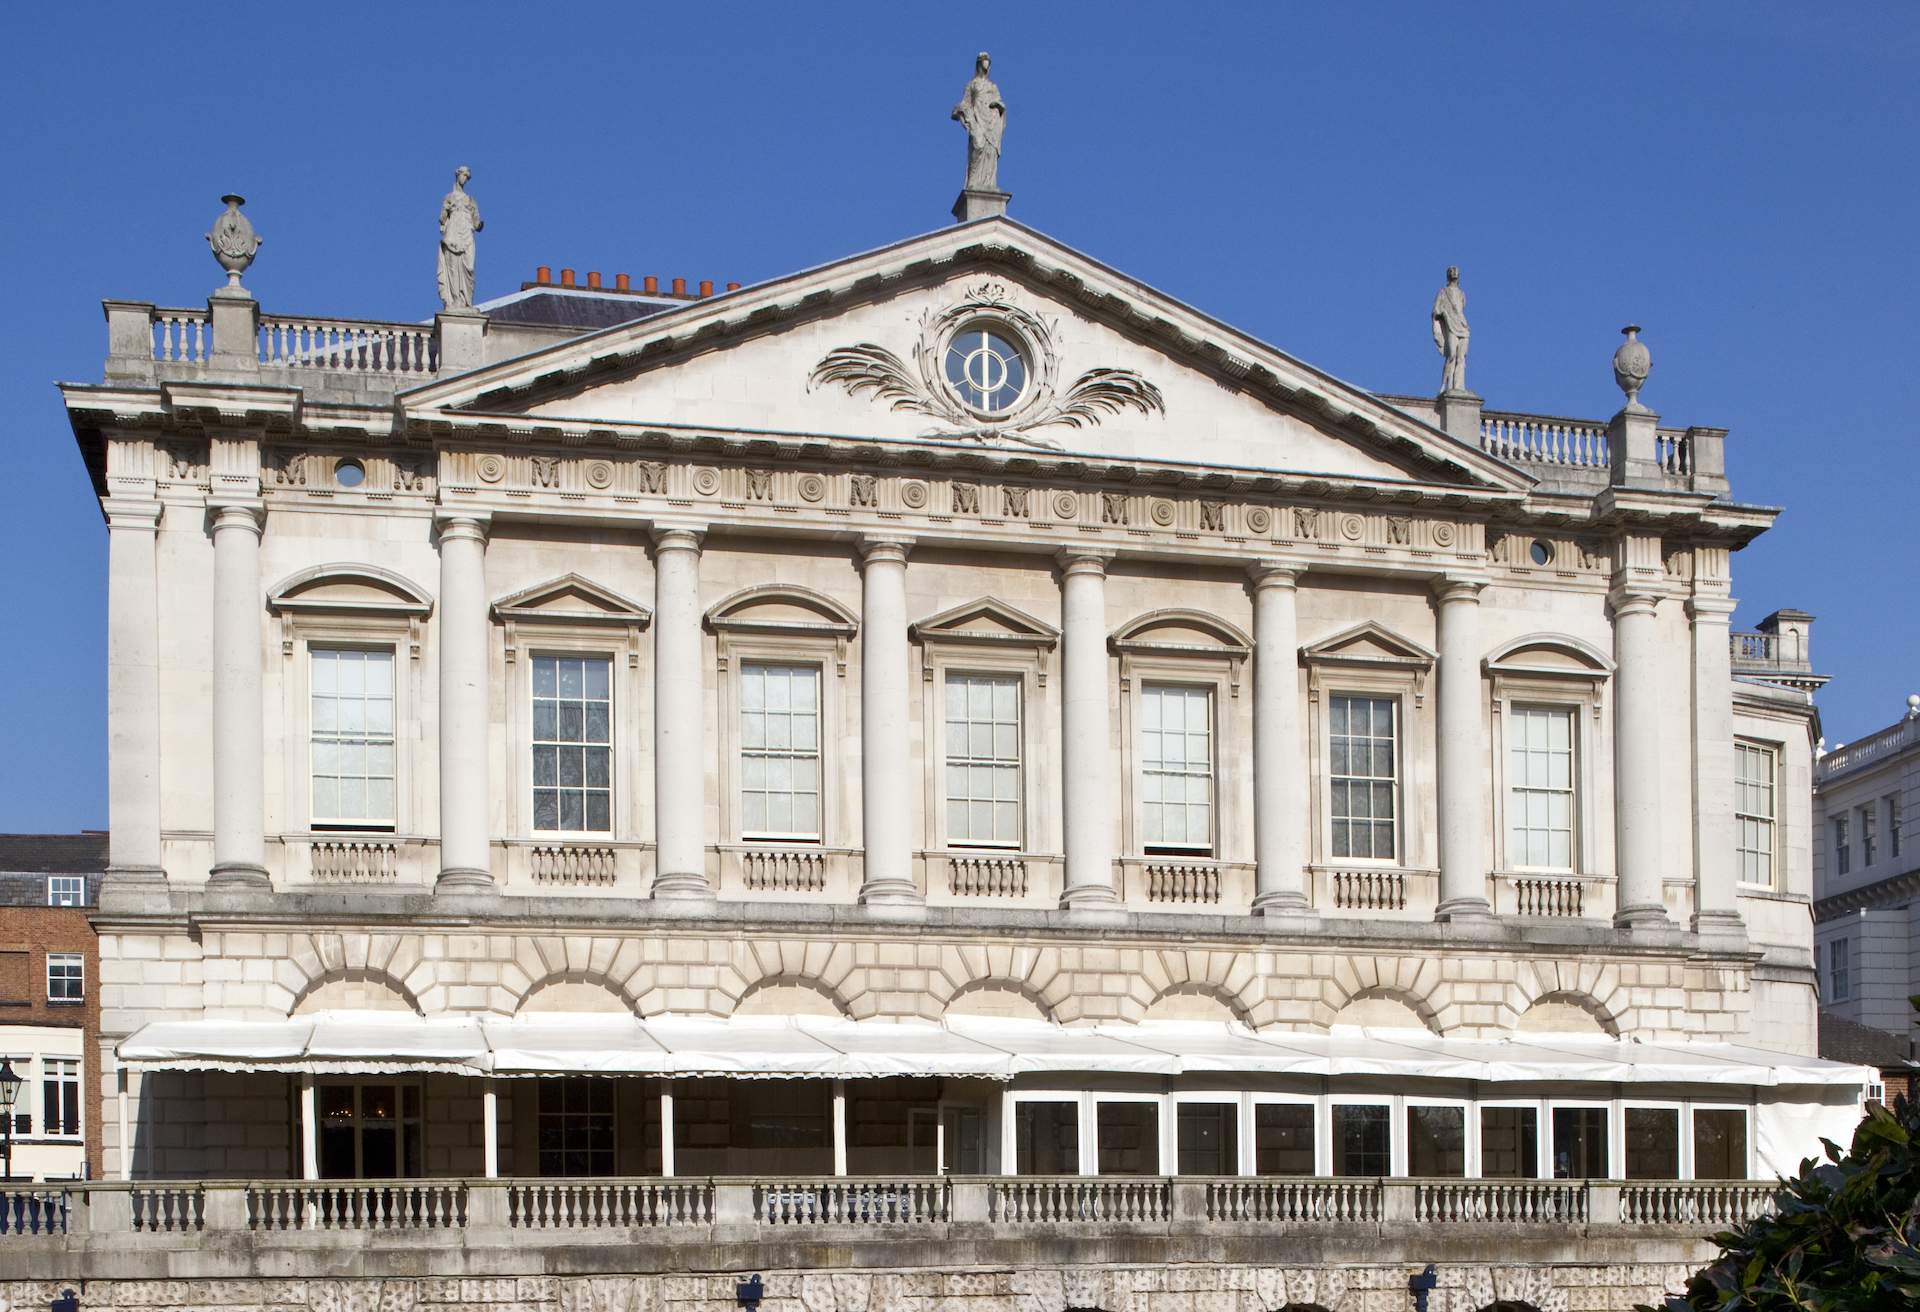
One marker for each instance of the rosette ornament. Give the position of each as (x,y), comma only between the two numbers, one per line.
(1631,365)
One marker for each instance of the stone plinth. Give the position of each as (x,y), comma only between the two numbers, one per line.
(974,204)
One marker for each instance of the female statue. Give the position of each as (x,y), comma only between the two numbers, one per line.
(984,115)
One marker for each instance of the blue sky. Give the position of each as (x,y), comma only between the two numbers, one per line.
(1737,178)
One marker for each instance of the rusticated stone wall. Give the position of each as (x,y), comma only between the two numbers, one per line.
(1174,1288)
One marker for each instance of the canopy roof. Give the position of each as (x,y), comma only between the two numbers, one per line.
(804,1046)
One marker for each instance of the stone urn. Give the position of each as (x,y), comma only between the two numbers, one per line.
(234,241)
(1631,365)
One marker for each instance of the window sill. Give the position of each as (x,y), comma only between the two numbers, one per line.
(66,1002)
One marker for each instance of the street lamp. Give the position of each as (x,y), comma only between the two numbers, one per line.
(10,1083)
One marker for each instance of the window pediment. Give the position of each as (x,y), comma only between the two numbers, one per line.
(348,589)
(987,621)
(571,600)
(1549,655)
(1181,632)
(1372,645)
(783,608)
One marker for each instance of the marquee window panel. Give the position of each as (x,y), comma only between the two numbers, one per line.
(1364,764)
(1755,771)
(983,760)
(1176,768)
(352,737)
(572,744)
(1541,800)
(780,751)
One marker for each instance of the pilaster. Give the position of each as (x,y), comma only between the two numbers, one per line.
(239,745)
(1636,755)
(133,692)
(1716,874)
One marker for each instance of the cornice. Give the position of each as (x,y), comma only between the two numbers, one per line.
(1897,888)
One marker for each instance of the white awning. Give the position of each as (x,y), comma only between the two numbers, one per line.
(804,1046)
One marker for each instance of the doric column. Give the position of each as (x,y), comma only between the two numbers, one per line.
(1715,912)
(133,692)
(1086,764)
(886,765)
(239,750)
(466,852)
(1279,776)
(1636,759)
(679,712)
(1462,752)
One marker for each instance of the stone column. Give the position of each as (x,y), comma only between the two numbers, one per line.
(1279,774)
(679,715)
(1636,760)
(239,749)
(886,801)
(133,692)
(1086,753)
(1463,764)
(1716,914)
(466,852)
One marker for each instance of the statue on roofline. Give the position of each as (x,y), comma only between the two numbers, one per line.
(459,221)
(1450,332)
(984,115)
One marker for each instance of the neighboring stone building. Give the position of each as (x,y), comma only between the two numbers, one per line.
(952,769)
(1866,806)
(50,1000)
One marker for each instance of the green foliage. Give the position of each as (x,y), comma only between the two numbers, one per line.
(1846,1237)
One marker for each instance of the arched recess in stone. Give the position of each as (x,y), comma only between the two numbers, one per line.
(1386,1008)
(1413,981)
(1007,999)
(1592,986)
(315,959)
(574,995)
(354,990)
(1195,1001)
(791,996)
(1567,1013)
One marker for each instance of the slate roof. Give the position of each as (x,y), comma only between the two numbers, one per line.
(583,311)
(27,859)
(1863,1045)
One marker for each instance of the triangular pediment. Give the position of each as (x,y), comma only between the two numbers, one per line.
(986,620)
(862,350)
(571,598)
(1369,643)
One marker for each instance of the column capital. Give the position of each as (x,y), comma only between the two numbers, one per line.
(1085,560)
(885,550)
(126,513)
(459,525)
(248,514)
(1276,573)
(1459,587)
(678,536)
(1632,601)
(1710,609)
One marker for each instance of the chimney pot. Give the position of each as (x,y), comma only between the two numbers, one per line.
(706,286)
(566,277)
(651,285)
(593,278)
(733,286)
(622,283)
(679,286)
(543,274)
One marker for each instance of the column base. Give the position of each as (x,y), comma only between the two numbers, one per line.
(1094,902)
(1647,915)
(239,874)
(464,879)
(891,892)
(1456,910)
(1286,910)
(685,887)
(1723,930)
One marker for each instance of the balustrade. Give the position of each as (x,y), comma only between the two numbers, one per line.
(838,1201)
(1168,882)
(343,345)
(1673,452)
(783,870)
(1522,1202)
(573,864)
(1548,897)
(340,861)
(1543,440)
(33,1211)
(167,1208)
(1048,1200)
(358,1205)
(1288,1200)
(597,1204)
(1693,1203)
(183,336)
(1370,890)
(987,876)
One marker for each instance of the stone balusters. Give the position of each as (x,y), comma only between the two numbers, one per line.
(679,711)
(886,805)
(1279,776)
(1462,752)
(133,692)
(466,862)
(1086,744)
(239,748)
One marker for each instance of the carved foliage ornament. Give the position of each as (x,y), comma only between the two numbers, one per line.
(924,388)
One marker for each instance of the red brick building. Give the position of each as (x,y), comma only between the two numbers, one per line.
(50,1001)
